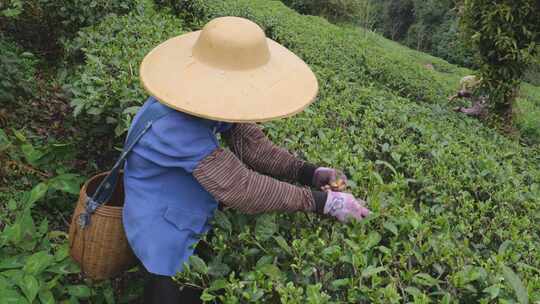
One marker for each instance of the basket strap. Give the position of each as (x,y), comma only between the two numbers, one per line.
(106,188)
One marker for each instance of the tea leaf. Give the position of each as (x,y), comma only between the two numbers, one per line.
(69,183)
(19,135)
(336,284)
(66,267)
(37,193)
(46,296)
(218,285)
(266,259)
(11,263)
(79,291)
(271,270)
(493,291)
(198,264)
(31,154)
(373,239)
(514,281)
(5,143)
(38,262)
(218,269)
(390,226)
(61,253)
(29,286)
(11,296)
(222,221)
(108,293)
(265,227)
(283,244)
(371,270)
(425,279)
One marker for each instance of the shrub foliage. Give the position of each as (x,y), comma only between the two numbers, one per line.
(41,23)
(107,86)
(17,72)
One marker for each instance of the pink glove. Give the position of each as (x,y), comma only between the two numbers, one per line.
(344,206)
(328,177)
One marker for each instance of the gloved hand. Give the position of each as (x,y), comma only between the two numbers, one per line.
(329,179)
(344,206)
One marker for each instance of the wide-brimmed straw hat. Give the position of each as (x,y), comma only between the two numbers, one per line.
(229,71)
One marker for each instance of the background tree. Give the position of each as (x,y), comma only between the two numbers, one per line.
(506,36)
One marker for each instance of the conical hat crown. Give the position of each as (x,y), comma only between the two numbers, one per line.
(229,71)
(232,43)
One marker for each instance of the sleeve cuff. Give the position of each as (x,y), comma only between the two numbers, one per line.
(305,176)
(320,201)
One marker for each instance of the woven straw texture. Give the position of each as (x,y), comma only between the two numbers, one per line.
(101,249)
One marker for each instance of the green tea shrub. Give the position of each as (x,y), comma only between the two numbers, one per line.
(41,23)
(35,266)
(454,203)
(183,9)
(106,87)
(17,72)
(338,10)
(528,113)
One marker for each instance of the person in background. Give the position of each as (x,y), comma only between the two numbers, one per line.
(218,81)
(469,86)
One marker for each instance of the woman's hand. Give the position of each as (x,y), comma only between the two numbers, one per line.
(329,179)
(344,206)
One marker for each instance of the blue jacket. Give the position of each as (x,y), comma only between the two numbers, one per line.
(165,207)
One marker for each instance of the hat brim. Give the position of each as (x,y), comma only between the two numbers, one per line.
(282,87)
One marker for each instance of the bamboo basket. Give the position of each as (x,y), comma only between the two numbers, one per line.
(101,249)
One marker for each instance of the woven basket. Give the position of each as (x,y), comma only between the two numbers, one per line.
(101,249)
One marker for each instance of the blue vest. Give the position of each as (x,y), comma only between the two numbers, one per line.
(165,207)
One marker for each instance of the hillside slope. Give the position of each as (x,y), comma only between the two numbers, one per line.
(455,203)
(448,76)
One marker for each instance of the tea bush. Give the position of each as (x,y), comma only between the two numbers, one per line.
(455,204)
(338,10)
(528,113)
(35,266)
(106,87)
(40,23)
(17,72)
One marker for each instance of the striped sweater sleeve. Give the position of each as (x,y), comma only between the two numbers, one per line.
(229,181)
(252,147)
